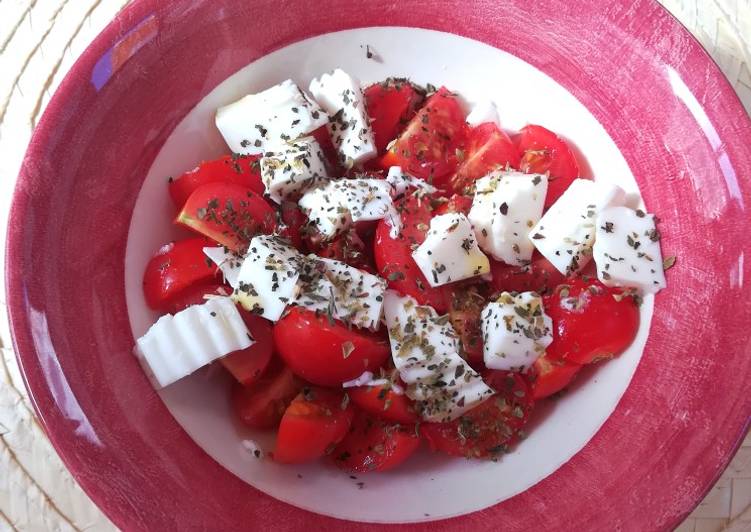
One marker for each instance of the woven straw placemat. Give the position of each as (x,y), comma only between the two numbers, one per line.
(39,41)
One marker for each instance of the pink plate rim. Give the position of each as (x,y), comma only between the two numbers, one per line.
(686,430)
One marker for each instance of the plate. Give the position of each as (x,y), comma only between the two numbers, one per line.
(631,80)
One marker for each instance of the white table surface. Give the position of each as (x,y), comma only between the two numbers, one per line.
(39,41)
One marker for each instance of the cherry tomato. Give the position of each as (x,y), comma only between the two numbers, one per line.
(175,267)
(195,295)
(539,276)
(293,223)
(262,405)
(490,428)
(242,170)
(373,445)
(323,137)
(393,256)
(543,151)
(326,353)
(456,203)
(549,375)
(390,104)
(349,248)
(384,403)
(227,213)
(488,148)
(428,146)
(590,321)
(466,305)
(312,425)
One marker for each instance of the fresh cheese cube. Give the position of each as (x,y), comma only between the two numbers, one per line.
(515,331)
(333,206)
(289,169)
(342,291)
(227,261)
(341,96)
(425,349)
(401,181)
(482,112)
(566,233)
(627,250)
(505,208)
(278,114)
(267,280)
(450,252)
(176,346)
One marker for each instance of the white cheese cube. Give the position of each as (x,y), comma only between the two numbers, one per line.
(278,114)
(343,291)
(289,169)
(341,96)
(267,281)
(505,208)
(450,252)
(176,346)
(566,233)
(482,112)
(333,206)
(401,181)
(627,250)
(425,349)
(227,261)
(515,331)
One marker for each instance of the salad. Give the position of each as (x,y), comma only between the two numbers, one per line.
(376,269)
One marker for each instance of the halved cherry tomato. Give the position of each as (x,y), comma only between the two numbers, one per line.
(373,445)
(195,295)
(456,203)
(390,104)
(466,305)
(293,220)
(393,256)
(262,405)
(490,428)
(383,402)
(428,146)
(242,170)
(323,137)
(488,148)
(543,151)
(175,267)
(550,375)
(590,321)
(312,425)
(539,276)
(348,247)
(327,353)
(228,214)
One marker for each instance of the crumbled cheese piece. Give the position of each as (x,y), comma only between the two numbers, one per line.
(515,331)
(401,181)
(627,250)
(341,96)
(450,252)
(566,233)
(289,169)
(227,261)
(278,114)
(505,208)
(425,350)
(177,345)
(482,112)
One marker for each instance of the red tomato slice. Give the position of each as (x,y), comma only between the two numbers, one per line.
(348,248)
(175,267)
(393,256)
(262,405)
(488,148)
(312,425)
(294,221)
(539,276)
(456,203)
(590,321)
(242,170)
(323,137)
(543,151)
(228,214)
(549,376)
(428,146)
(490,428)
(194,295)
(382,402)
(464,314)
(372,445)
(326,353)
(390,104)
